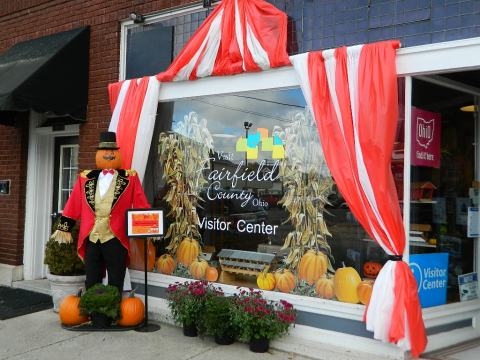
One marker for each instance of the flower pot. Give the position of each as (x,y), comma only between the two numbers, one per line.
(259,345)
(224,339)
(61,286)
(190,330)
(100,321)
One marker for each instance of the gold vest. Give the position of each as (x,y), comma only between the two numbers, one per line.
(103,206)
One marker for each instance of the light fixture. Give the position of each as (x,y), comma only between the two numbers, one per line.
(468,108)
(207,3)
(137,18)
(247,125)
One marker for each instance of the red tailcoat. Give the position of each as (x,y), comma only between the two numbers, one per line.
(128,194)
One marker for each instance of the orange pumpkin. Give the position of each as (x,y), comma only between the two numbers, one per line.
(137,248)
(364,291)
(325,288)
(371,269)
(108,159)
(69,311)
(285,281)
(197,268)
(346,283)
(313,265)
(188,251)
(132,311)
(266,281)
(166,264)
(211,274)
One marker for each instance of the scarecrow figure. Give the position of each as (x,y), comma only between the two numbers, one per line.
(100,199)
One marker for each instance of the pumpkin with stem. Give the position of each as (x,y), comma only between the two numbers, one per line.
(313,265)
(197,268)
(132,311)
(211,274)
(166,264)
(69,311)
(346,283)
(325,288)
(188,251)
(364,291)
(266,281)
(285,281)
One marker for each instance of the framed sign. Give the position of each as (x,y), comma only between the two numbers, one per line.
(4,187)
(144,222)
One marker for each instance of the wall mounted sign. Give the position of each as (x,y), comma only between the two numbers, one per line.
(468,286)
(144,222)
(431,273)
(4,187)
(426,129)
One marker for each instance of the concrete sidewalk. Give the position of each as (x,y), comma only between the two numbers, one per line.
(39,336)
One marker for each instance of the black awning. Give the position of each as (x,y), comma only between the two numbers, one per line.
(48,75)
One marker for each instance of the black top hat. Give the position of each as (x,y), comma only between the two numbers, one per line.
(108,141)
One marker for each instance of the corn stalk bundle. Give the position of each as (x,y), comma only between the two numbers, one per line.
(184,154)
(307,184)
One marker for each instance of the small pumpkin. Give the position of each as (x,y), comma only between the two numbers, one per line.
(371,269)
(132,311)
(325,288)
(188,251)
(211,274)
(364,291)
(166,264)
(108,159)
(197,268)
(266,281)
(346,283)
(69,311)
(313,265)
(285,281)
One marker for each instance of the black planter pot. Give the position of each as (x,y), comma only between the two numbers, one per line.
(100,321)
(224,339)
(190,330)
(259,345)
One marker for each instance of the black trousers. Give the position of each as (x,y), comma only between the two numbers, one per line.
(110,255)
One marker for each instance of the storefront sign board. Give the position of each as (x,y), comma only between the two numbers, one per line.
(426,129)
(431,273)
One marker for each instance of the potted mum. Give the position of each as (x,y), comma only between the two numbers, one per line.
(65,272)
(102,304)
(261,320)
(217,318)
(186,302)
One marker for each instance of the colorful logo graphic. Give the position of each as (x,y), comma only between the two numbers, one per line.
(250,145)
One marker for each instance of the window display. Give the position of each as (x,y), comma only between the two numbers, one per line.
(249,198)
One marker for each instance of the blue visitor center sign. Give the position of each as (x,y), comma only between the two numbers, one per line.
(431,272)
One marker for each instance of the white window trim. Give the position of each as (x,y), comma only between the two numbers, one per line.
(60,178)
(424,59)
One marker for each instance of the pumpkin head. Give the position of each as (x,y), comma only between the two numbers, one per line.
(346,283)
(188,251)
(364,291)
(371,269)
(313,265)
(285,281)
(108,159)
(197,268)
(325,288)
(266,281)
(166,264)
(211,274)
(132,311)
(69,311)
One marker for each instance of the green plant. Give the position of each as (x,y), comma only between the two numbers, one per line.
(187,301)
(217,317)
(101,300)
(259,318)
(62,259)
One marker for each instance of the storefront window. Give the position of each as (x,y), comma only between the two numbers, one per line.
(444,193)
(245,176)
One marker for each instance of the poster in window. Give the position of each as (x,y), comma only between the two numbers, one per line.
(426,129)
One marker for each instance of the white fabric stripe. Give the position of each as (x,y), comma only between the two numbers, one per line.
(205,67)
(117,110)
(353,59)
(145,127)
(184,73)
(300,63)
(379,313)
(259,54)
(239,33)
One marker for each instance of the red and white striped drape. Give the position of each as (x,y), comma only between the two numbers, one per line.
(353,94)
